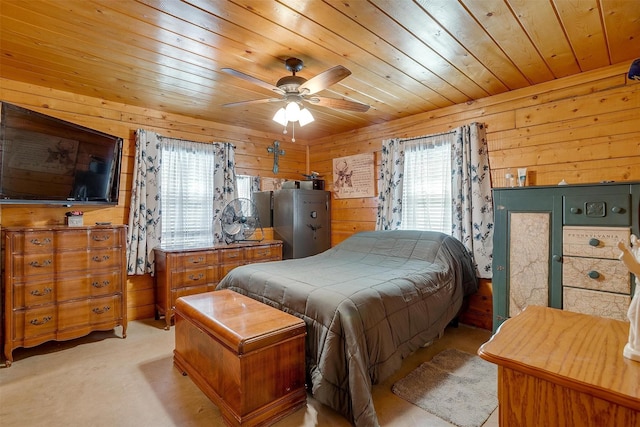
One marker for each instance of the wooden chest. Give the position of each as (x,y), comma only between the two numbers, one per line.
(247,357)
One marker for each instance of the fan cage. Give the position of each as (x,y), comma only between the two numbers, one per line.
(240,220)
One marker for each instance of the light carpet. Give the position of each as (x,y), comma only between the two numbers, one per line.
(456,386)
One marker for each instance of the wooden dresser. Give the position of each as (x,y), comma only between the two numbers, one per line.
(556,246)
(62,283)
(564,369)
(183,271)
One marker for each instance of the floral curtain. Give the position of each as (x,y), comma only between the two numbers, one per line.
(224,183)
(472,204)
(390,185)
(472,215)
(143,233)
(145,219)
(255,184)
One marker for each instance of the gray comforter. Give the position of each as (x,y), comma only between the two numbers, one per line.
(368,303)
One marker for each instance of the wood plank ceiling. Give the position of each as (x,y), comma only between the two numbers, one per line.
(406,57)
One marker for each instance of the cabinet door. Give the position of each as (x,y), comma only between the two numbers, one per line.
(527,265)
(312,224)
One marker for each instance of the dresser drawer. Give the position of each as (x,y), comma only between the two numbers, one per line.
(32,242)
(263,253)
(595,242)
(613,306)
(96,260)
(33,293)
(86,312)
(231,255)
(105,310)
(85,286)
(598,209)
(105,238)
(609,275)
(73,240)
(35,322)
(194,277)
(37,265)
(190,260)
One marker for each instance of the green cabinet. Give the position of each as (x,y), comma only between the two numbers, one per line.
(556,246)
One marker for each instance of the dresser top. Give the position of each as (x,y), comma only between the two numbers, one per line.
(570,349)
(61,227)
(185,247)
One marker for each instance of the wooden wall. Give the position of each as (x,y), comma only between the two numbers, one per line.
(122,120)
(582,129)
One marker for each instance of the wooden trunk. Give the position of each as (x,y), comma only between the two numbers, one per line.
(247,357)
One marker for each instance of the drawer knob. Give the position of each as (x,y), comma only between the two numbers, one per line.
(98,310)
(38,242)
(594,242)
(44,320)
(37,293)
(616,209)
(99,285)
(575,210)
(45,263)
(593,274)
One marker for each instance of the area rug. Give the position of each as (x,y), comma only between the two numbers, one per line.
(458,387)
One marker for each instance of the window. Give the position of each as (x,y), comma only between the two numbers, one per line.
(244,186)
(426,196)
(187,193)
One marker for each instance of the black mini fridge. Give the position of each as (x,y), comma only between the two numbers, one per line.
(302,220)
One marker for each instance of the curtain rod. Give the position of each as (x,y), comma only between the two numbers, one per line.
(197,142)
(429,136)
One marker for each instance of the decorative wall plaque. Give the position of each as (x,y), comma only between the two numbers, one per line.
(353,176)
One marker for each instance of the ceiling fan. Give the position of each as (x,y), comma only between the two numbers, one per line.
(298,89)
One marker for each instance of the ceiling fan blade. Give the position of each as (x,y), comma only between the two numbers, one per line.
(340,104)
(253,101)
(324,80)
(253,80)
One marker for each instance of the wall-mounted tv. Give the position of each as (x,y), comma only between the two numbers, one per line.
(51,161)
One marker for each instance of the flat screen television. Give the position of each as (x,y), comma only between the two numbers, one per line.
(51,161)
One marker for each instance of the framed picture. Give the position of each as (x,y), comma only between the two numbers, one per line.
(354,176)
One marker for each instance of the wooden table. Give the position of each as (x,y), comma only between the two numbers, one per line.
(558,368)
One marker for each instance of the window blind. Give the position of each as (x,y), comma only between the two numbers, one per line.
(187,193)
(426,196)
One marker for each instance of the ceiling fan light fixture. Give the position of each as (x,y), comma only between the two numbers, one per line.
(305,117)
(281,117)
(293,111)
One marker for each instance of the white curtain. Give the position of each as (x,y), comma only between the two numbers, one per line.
(471,201)
(181,164)
(426,202)
(187,193)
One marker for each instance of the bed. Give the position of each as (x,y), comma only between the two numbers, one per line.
(368,302)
